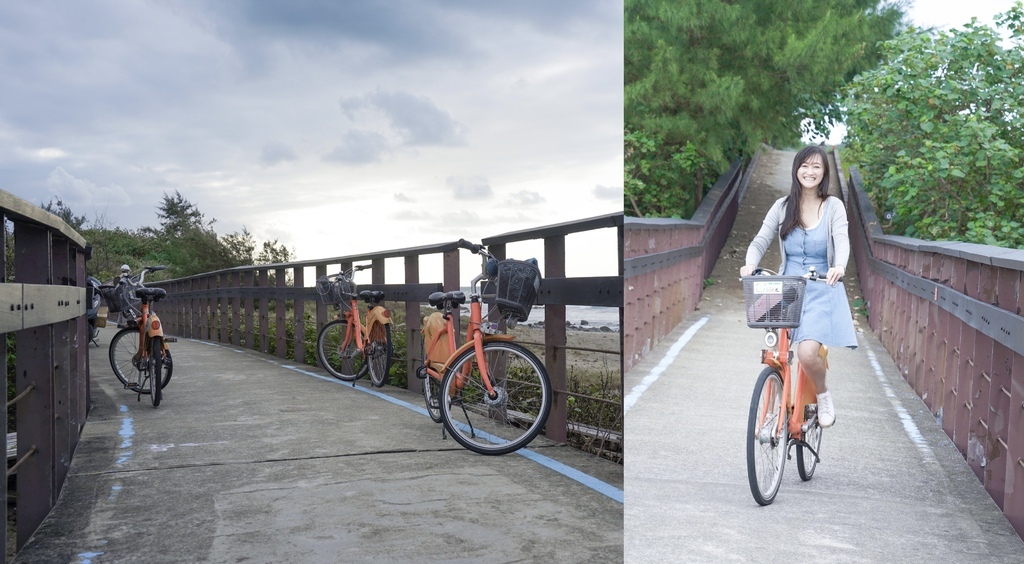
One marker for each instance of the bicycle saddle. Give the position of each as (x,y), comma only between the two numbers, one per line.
(437,299)
(153,293)
(374,295)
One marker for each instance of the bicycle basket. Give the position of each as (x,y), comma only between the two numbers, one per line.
(336,292)
(516,288)
(774,301)
(120,298)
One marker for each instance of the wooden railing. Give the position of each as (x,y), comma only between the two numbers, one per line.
(950,315)
(43,303)
(668,260)
(234,306)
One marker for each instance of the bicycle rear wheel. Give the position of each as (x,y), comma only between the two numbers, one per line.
(432,397)
(379,351)
(123,348)
(156,369)
(343,362)
(766,443)
(511,419)
(807,461)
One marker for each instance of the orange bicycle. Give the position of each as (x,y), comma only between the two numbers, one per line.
(346,348)
(783,411)
(492,395)
(139,353)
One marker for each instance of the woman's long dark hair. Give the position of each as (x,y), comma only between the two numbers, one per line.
(792,217)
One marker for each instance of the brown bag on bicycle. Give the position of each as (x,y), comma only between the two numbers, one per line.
(433,324)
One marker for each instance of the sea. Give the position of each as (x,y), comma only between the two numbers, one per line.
(595,317)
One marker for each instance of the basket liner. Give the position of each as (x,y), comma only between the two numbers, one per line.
(516,288)
(774,301)
(333,292)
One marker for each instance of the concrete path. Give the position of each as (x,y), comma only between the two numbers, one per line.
(891,487)
(252,459)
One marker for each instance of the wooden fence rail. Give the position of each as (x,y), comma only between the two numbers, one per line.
(43,304)
(234,305)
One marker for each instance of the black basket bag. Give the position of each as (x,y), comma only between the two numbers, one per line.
(516,288)
(120,298)
(336,292)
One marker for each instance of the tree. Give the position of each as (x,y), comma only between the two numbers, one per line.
(939,131)
(273,253)
(178,215)
(61,210)
(711,79)
(241,247)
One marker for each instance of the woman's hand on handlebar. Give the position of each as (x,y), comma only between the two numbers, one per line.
(747,270)
(834,275)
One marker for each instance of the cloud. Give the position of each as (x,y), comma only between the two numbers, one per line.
(607,192)
(526,198)
(415,120)
(77,192)
(470,187)
(359,147)
(276,153)
(400,197)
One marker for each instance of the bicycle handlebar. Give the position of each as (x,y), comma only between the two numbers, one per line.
(471,247)
(812,275)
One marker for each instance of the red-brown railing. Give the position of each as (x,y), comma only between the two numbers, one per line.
(666,262)
(949,314)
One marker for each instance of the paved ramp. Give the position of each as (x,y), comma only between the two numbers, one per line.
(252,459)
(891,487)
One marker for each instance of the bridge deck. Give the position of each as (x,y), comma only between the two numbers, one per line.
(891,487)
(249,458)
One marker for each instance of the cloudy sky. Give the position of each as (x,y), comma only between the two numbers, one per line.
(317,122)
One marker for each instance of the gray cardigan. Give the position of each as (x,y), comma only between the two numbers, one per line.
(838,234)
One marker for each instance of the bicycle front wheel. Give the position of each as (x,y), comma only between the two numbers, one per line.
(337,351)
(123,349)
(513,416)
(379,351)
(156,369)
(766,442)
(806,460)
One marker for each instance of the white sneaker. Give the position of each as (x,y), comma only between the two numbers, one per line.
(826,411)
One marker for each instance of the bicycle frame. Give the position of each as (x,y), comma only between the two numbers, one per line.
(797,395)
(475,337)
(375,314)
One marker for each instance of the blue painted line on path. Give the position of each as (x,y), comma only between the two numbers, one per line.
(565,470)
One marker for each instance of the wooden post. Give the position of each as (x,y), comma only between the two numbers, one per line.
(554,340)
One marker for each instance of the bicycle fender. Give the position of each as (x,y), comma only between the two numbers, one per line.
(155,328)
(378,314)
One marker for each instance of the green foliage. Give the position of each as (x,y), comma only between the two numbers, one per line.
(860,307)
(706,81)
(939,128)
(663,180)
(185,242)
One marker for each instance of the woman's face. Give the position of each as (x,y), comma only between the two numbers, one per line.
(810,172)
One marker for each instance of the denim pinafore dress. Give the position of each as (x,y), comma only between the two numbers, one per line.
(826,317)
